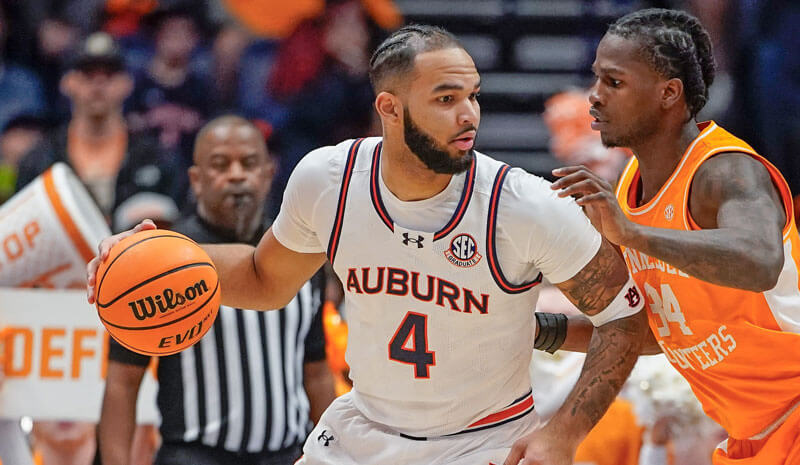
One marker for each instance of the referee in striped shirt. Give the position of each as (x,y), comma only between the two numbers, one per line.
(249,390)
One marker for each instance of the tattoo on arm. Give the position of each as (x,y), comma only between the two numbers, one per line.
(594,287)
(613,348)
(612,353)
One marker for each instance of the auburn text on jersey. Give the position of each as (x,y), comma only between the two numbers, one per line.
(397,281)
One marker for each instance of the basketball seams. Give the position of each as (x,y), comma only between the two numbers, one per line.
(145,239)
(154,278)
(171,322)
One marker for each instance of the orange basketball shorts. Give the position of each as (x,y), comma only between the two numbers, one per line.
(781,447)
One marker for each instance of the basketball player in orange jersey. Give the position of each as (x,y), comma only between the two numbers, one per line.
(707,230)
(441,249)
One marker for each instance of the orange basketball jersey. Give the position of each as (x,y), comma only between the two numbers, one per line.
(739,350)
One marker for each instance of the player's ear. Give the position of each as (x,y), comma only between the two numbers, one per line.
(389,108)
(671,93)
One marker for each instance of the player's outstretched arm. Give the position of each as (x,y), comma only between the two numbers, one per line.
(264,277)
(732,198)
(601,290)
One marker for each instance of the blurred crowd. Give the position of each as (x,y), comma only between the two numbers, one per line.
(117,89)
(96,83)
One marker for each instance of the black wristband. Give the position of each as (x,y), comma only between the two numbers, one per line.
(552,331)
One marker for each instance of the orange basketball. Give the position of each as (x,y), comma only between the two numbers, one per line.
(157,293)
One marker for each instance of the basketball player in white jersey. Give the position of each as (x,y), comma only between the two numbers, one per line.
(440,250)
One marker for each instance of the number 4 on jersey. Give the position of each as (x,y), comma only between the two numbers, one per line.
(410,344)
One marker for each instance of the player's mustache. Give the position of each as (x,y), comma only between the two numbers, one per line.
(466,130)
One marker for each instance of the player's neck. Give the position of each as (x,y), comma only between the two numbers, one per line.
(660,154)
(407,178)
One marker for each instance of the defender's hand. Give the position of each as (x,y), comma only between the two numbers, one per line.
(102,253)
(597,198)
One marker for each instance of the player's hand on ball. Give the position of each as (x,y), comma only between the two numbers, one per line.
(597,198)
(102,254)
(541,447)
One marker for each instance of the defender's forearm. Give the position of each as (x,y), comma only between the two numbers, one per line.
(613,351)
(579,334)
(720,256)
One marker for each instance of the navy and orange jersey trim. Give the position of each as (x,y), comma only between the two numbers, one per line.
(458,214)
(463,203)
(375,191)
(491,242)
(515,410)
(333,242)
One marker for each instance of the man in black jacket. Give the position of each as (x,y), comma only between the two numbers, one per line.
(113,163)
(249,390)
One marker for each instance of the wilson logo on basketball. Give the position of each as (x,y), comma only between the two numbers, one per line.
(463,251)
(146,308)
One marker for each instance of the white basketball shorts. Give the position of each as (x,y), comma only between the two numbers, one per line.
(344,436)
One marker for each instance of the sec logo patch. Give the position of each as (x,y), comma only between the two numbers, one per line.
(463,251)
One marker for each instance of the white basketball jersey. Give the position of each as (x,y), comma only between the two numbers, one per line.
(439,341)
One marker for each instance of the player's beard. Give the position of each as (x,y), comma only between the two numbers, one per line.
(432,154)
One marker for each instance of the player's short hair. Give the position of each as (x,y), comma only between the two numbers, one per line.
(395,56)
(676,45)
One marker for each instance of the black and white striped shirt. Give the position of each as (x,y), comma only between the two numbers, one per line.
(241,387)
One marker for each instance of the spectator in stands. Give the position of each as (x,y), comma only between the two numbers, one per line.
(17,138)
(320,75)
(247,392)
(96,143)
(171,96)
(63,443)
(20,88)
(57,38)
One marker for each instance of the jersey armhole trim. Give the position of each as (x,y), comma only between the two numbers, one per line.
(463,203)
(333,243)
(775,175)
(374,189)
(491,246)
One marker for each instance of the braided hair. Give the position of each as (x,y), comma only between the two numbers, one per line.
(676,45)
(395,56)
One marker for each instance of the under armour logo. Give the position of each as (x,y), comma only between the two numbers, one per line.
(633,297)
(324,437)
(417,241)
